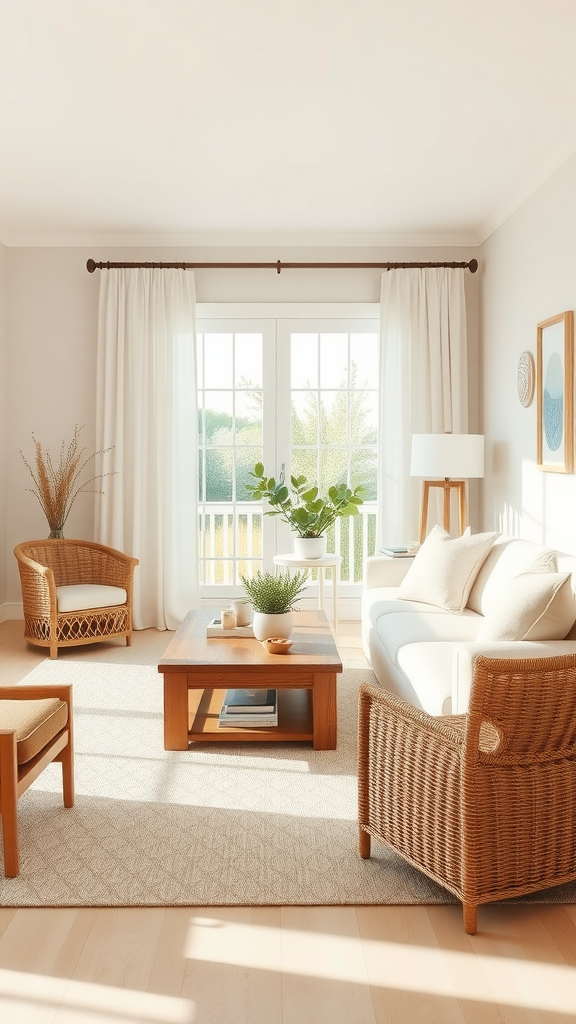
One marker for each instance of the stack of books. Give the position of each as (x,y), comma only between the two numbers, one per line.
(248,709)
(215,628)
(407,552)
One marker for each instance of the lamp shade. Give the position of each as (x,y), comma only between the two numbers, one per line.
(452,456)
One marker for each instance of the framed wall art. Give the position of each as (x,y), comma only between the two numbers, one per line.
(555,393)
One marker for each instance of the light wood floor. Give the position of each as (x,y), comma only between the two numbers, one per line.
(278,965)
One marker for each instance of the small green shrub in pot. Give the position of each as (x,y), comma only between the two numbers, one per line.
(272,596)
(274,593)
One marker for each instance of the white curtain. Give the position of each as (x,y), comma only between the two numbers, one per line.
(147,413)
(423,384)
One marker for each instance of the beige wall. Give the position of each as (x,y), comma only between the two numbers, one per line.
(528,275)
(51,349)
(3,421)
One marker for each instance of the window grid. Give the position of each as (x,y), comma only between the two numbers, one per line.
(232,531)
(230,541)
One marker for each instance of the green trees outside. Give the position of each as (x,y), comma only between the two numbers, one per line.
(326,434)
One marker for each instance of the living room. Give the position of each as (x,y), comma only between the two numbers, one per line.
(501,190)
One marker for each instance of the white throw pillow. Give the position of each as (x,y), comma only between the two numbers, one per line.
(445,568)
(506,559)
(533,606)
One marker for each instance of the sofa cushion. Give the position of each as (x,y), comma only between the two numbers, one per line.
(420,647)
(506,559)
(429,667)
(384,601)
(88,595)
(445,568)
(533,606)
(395,631)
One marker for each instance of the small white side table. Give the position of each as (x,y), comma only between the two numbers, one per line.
(326,562)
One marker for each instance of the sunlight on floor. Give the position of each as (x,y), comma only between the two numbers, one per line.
(410,968)
(33,997)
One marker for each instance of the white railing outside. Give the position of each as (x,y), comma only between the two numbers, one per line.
(230,543)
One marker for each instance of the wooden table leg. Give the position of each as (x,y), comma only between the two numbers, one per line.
(175,711)
(324,711)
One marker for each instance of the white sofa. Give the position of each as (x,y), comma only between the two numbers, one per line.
(424,653)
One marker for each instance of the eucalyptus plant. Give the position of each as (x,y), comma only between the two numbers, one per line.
(300,505)
(274,593)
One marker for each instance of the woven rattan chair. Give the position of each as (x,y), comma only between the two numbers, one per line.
(46,565)
(484,803)
(35,729)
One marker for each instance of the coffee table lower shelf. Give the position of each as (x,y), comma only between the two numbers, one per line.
(294,719)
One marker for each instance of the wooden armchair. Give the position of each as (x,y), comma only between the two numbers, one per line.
(484,803)
(75,592)
(35,729)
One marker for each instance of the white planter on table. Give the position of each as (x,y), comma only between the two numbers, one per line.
(309,547)
(267,625)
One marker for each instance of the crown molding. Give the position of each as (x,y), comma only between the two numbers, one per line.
(245,240)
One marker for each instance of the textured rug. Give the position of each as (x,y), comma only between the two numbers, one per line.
(249,824)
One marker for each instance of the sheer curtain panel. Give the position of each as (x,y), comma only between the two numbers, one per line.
(423,383)
(147,415)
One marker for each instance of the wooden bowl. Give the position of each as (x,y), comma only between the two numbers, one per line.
(277,645)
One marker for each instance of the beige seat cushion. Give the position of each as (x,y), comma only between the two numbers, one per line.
(88,595)
(35,722)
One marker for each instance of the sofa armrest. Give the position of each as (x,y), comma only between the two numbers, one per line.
(383,571)
(465,656)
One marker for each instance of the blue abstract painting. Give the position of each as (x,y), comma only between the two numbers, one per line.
(555,384)
(553,404)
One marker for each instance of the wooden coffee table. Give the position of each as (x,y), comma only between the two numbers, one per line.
(198,671)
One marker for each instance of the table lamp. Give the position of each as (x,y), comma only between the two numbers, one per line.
(454,457)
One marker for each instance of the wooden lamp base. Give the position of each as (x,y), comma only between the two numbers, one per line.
(448,485)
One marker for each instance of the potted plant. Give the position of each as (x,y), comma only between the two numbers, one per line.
(307,513)
(272,596)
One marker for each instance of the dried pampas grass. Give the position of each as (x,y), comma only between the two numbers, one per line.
(57,487)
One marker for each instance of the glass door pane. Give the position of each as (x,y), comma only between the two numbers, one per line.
(331,406)
(236,429)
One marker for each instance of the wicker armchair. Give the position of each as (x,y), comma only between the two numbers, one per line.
(484,803)
(45,565)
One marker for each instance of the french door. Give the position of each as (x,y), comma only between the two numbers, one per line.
(300,394)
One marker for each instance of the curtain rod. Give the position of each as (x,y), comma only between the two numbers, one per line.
(278,266)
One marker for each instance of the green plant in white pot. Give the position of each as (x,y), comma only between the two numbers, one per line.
(272,596)
(308,514)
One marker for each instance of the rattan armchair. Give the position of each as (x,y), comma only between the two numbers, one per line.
(484,803)
(45,565)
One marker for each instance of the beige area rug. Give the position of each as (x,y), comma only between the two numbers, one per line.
(251,824)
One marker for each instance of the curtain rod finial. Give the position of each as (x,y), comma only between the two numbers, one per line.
(90,266)
(473,266)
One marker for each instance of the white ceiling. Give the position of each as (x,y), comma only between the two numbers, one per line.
(238,121)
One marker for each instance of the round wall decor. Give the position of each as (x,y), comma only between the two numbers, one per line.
(526,378)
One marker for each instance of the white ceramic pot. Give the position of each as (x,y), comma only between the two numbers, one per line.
(266,625)
(309,547)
